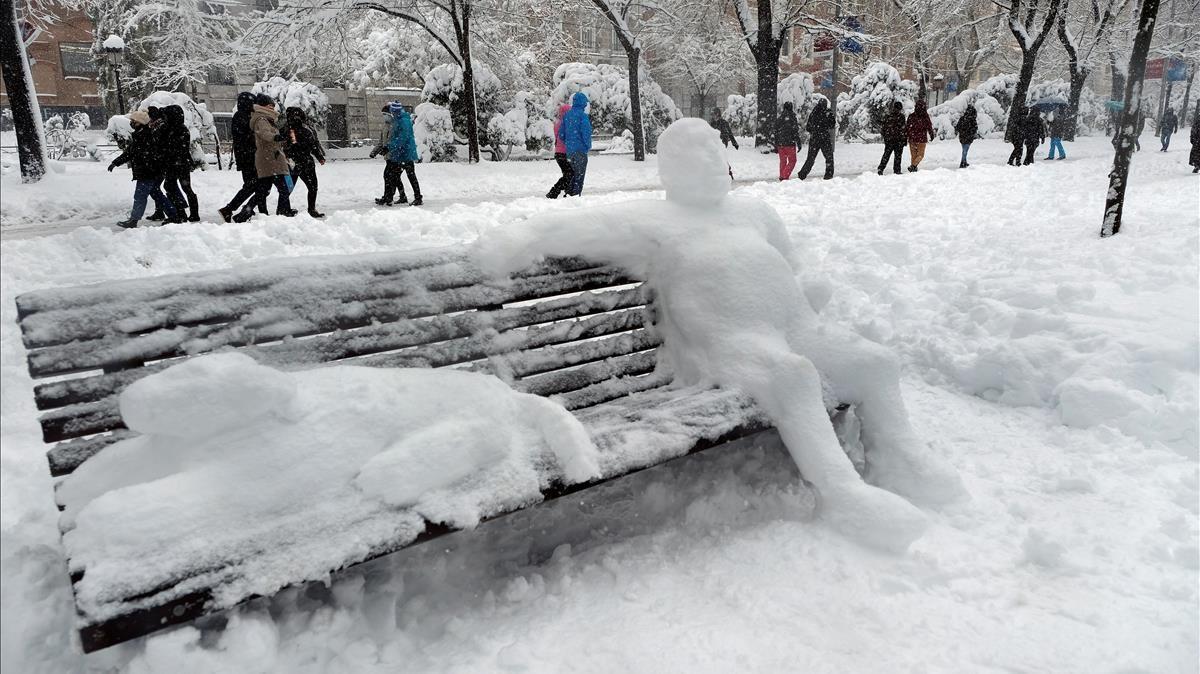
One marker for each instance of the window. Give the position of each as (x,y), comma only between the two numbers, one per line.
(212,8)
(266,5)
(614,43)
(76,59)
(785,48)
(587,37)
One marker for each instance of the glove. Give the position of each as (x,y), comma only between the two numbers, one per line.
(322,162)
(111,167)
(374,153)
(278,138)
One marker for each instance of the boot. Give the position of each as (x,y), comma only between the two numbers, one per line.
(156,216)
(127,224)
(962,164)
(194,217)
(289,213)
(243,215)
(383,202)
(226,214)
(912,169)
(417,201)
(315,214)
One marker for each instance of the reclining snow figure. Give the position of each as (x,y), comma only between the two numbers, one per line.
(731,313)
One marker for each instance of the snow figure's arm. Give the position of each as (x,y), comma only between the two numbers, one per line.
(622,234)
(766,219)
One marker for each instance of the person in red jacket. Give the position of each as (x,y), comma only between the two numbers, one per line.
(919,130)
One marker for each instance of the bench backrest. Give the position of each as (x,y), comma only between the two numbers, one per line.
(567,328)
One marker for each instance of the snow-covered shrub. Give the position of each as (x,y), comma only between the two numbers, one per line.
(622,144)
(607,89)
(1000,87)
(1092,116)
(742,113)
(434,132)
(991,116)
(295,94)
(54,123)
(524,124)
(79,121)
(196,117)
(798,90)
(508,129)
(119,130)
(444,87)
(861,110)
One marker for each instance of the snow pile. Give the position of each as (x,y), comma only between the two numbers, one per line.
(861,110)
(295,94)
(295,472)
(732,313)
(622,144)
(1000,87)
(742,113)
(434,132)
(607,89)
(991,116)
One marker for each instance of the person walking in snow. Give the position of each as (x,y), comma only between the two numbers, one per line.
(563,186)
(1033,132)
(1168,126)
(305,151)
(1058,127)
(160,138)
(178,164)
(400,150)
(718,122)
(787,138)
(919,130)
(821,127)
(1194,157)
(270,162)
(243,155)
(142,156)
(894,138)
(967,128)
(1017,138)
(576,134)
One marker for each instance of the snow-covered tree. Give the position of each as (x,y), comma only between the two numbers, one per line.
(445,85)
(610,105)
(742,113)
(619,14)
(1002,87)
(704,52)
(22,97)
(295,94)
(861,110)
(434,132)
(1082,33)
(1030,33)
(991,116)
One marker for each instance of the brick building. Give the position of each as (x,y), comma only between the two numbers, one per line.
(64,71)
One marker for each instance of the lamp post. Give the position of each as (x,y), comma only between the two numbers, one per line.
(114,53)
(939,82)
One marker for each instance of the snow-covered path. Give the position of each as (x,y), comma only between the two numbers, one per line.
(1056,371)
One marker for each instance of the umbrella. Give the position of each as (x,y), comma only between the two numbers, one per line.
(1116,106)
(1050,102)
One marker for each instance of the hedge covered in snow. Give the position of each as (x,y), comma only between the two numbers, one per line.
(860,111)
(607,89)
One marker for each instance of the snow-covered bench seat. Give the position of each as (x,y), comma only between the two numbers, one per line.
(577,331)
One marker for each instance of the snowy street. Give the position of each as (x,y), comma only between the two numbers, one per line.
(1057,372)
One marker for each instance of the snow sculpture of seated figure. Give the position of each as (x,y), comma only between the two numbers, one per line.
(731,313)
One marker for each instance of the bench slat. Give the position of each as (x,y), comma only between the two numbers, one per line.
(272,322)
(593,373)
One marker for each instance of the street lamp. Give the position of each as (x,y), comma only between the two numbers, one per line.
(114,53)
(939,81)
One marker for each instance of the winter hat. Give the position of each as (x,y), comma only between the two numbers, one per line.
(139,116)
(155,112)
(264,100)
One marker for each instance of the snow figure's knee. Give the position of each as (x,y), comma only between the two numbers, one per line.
(205,395)
(691,163)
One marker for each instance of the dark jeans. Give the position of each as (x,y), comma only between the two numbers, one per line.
(564,183)
(893,149)
(1030,150)
(391,179)
(261,191)
(578,172)
(307,173)
(178,187)
(1014,159)
(145,189)
(249,189)
(825,148)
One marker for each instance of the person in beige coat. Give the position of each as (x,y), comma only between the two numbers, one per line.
(269,161)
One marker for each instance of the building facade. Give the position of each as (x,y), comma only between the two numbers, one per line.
(65,74)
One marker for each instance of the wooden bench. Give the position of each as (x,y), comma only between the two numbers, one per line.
(577,331)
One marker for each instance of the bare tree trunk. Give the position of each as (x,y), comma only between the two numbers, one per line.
(22,98)
(1187,94)
(1028,61)
(765,50)
(633,56)
(1118,179)
(1078,77)
(1030,47)
(462,31)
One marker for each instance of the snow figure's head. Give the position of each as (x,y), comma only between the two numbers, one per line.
(691,163)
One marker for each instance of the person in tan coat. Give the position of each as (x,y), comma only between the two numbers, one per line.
(269,160)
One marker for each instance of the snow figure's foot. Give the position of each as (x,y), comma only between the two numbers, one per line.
(872,516)
(921,477)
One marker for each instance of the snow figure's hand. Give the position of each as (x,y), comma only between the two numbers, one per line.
(205,395)
(500,252)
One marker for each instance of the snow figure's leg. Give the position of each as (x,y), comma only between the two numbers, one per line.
(866,375)
(788,388)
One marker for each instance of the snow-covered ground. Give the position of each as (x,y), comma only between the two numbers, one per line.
(1057,372)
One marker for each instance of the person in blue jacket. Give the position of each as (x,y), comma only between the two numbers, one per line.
(576,134)
(400,147)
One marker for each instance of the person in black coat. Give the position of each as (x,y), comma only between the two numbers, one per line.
(967,129)
(895,137)
(1033,133)
(787,137)
(718,122)
(176,149)
(142,156)
(243,155)
(1168,126)
(1194,157)
(304,149)
(1018,135)
(821,126)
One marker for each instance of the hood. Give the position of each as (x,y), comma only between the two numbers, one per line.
(245,101)
(579,100)
(175,115)
(295,116)
(921,107)
(787,107)
(265,111)
(822,105)
(969,112)
(155,112)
